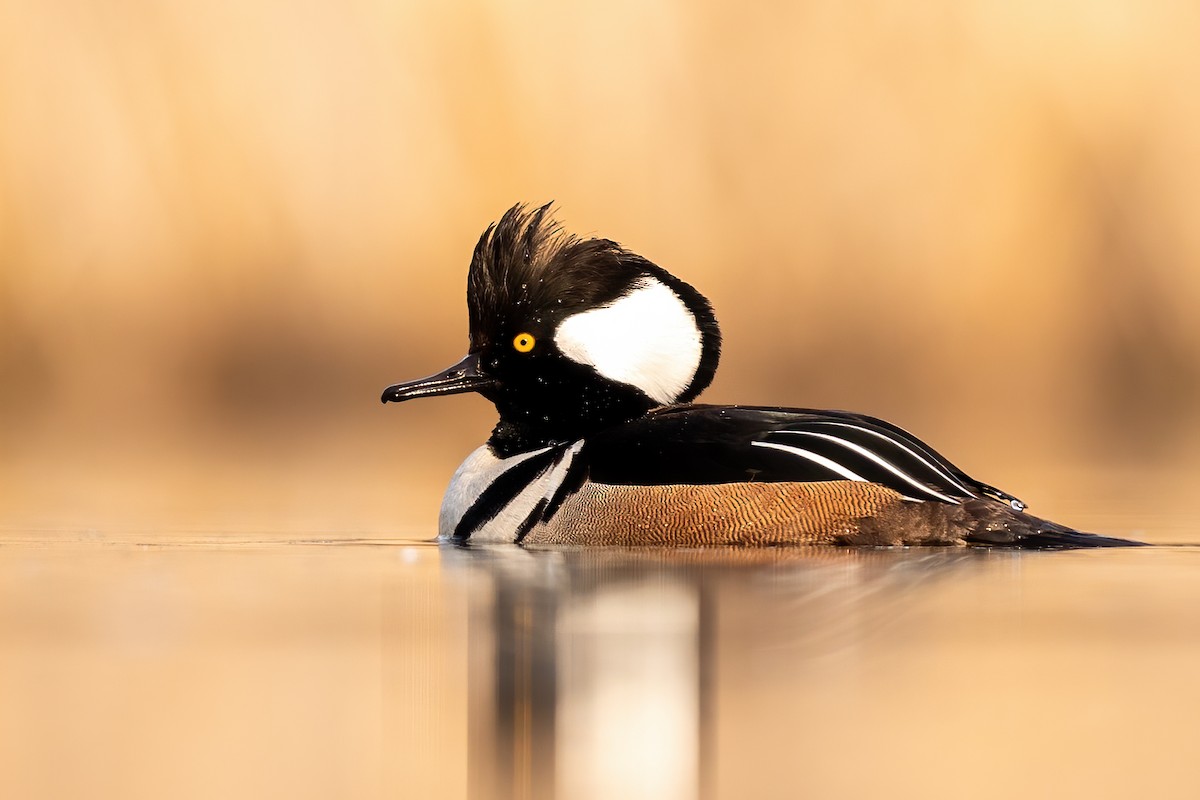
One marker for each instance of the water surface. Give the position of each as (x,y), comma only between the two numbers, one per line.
(253,666)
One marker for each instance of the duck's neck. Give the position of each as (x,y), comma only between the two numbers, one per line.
(515,435)
(564,410)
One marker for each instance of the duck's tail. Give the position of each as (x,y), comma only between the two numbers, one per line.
(1000,526)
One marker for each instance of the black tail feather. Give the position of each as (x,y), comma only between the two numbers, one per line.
(1061,538)
(999,526)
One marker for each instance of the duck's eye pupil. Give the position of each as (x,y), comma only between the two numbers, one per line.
(523,342)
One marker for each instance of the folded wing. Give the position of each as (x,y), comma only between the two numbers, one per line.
(730,444)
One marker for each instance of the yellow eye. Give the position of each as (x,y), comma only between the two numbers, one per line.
(524,342)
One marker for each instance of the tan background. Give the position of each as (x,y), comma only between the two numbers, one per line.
(224,227)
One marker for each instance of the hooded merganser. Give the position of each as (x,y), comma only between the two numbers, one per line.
(593,355)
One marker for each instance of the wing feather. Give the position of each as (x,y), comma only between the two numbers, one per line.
(727,444)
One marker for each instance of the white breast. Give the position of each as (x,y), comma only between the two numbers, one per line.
(480,470)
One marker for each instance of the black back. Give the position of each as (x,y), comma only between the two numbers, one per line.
(699,444)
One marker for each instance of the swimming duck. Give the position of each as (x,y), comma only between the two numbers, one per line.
(593,357)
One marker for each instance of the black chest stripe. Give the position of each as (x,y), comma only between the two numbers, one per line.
(577,475)
(530,520)
(502,491)
(564,484)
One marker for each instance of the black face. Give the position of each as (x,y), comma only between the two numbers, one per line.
(526,277)
(544,397)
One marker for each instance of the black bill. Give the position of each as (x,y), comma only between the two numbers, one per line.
(462,377)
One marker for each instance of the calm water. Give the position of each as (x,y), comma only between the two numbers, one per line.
(244,666)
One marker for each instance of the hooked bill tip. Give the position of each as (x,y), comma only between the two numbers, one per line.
(389,395)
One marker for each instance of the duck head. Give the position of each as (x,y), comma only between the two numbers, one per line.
(568,335)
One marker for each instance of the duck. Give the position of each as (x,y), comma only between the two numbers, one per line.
(593,357)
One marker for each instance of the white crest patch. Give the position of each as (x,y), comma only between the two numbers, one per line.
(647,338)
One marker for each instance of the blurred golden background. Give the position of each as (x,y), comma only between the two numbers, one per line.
(226,226)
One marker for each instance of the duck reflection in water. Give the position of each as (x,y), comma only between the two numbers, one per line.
(599,672)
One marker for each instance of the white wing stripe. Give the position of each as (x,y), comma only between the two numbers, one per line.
(865,453)
(906,449)
(828,464)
